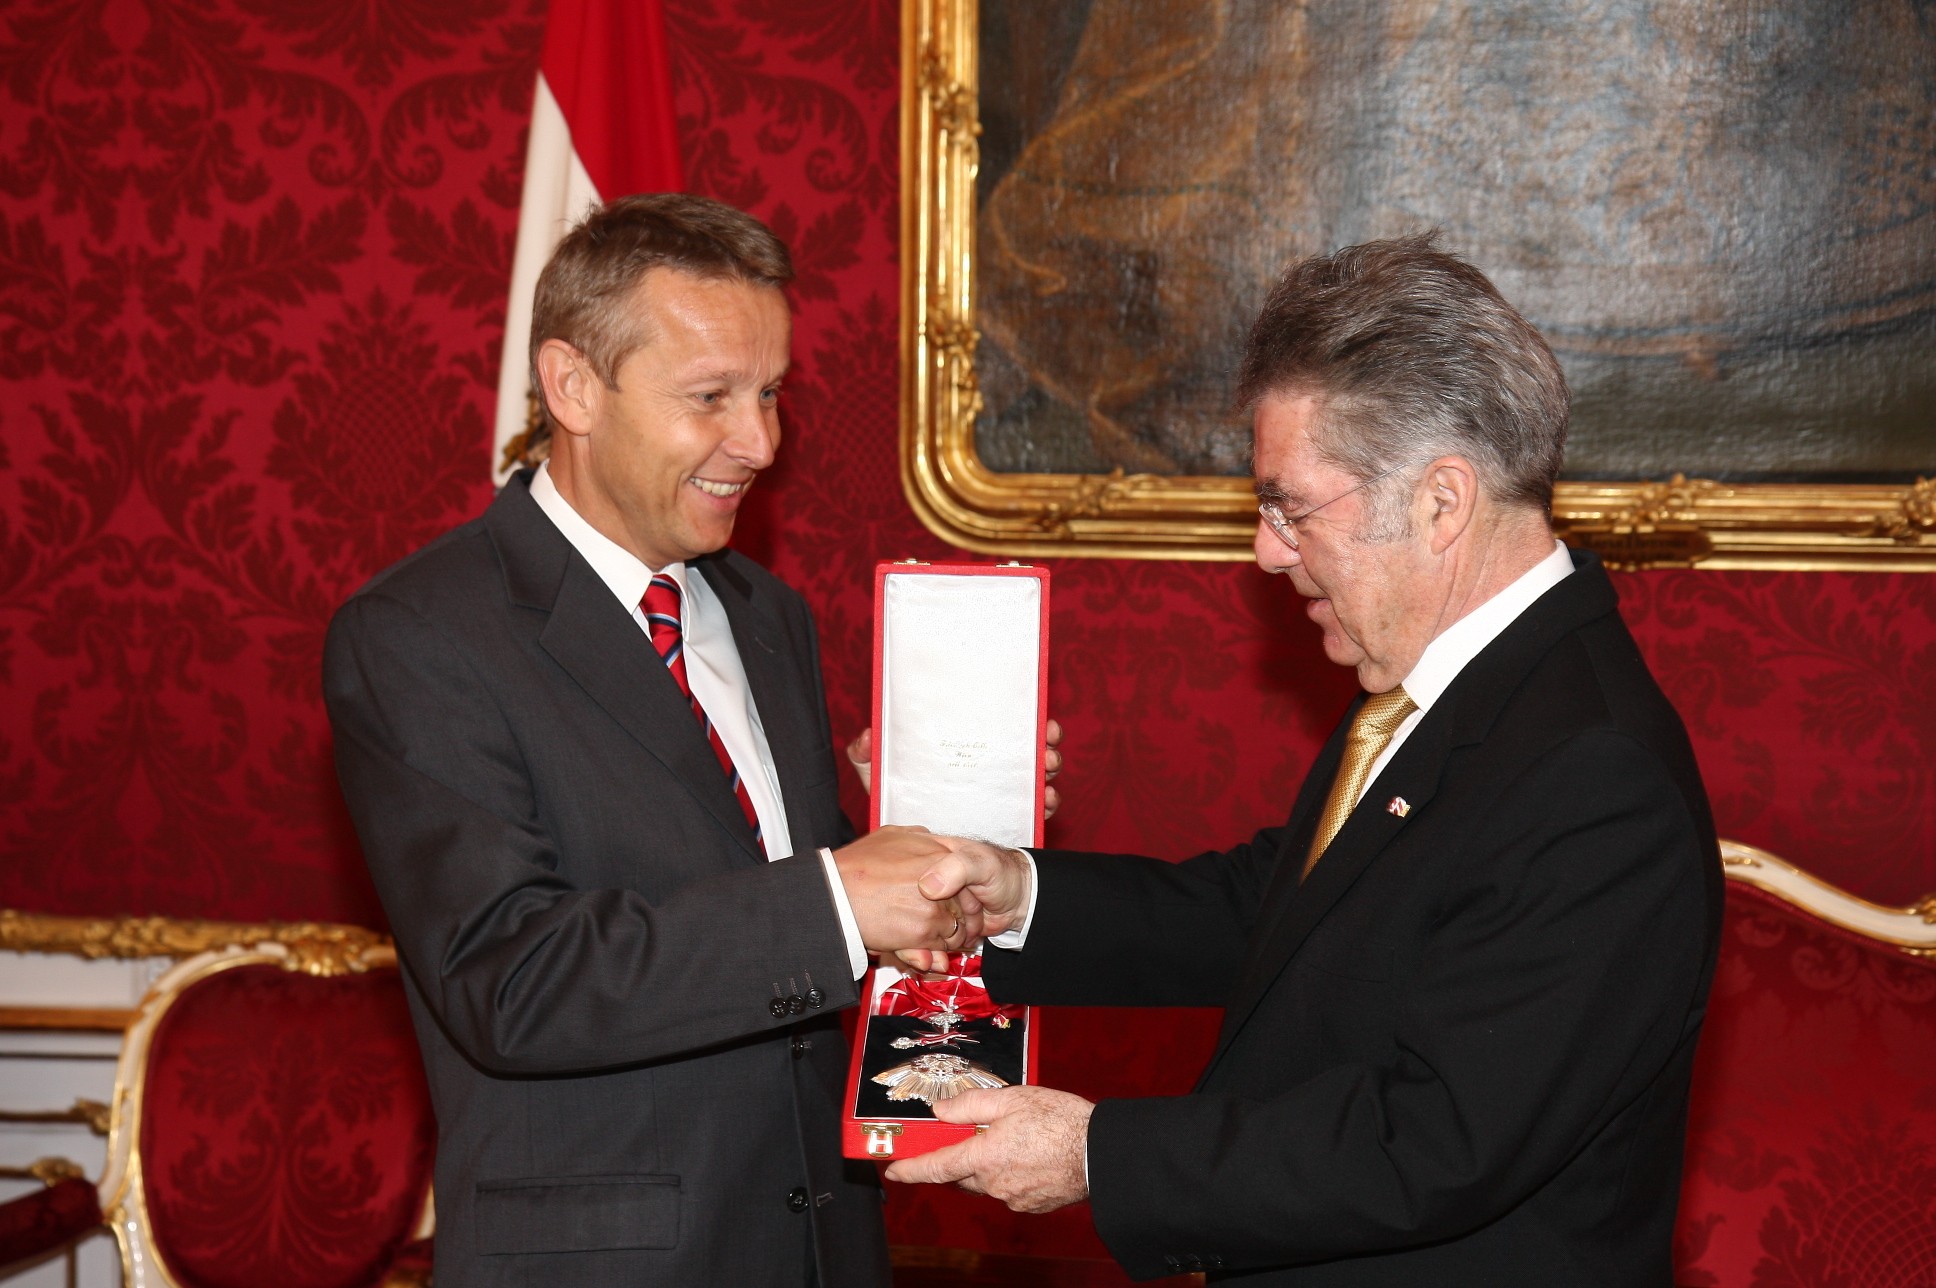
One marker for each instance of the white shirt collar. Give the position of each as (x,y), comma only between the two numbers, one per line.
(616,566)
(1463,640)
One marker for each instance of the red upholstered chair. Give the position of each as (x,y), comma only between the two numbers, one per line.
(1811,1152)
(271,1125)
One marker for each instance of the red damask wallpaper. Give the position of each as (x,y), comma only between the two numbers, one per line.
(1811,1142)
(252,263)
(252,259)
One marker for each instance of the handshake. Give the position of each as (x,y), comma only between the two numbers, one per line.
(920,896)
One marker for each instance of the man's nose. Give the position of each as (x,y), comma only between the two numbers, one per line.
(1274,554)
(755,439)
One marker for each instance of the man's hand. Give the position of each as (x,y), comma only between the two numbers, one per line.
(1031,1157)
(883,872)
(990,881)
(860,754)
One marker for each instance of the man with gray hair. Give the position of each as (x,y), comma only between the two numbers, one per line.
(1463,981)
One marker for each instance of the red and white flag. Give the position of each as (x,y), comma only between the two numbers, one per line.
(602,126)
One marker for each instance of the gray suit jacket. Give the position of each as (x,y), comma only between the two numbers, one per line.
(592,939)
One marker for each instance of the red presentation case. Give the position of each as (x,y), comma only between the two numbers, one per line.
(964,645)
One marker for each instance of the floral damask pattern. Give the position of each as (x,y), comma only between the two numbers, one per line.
(1812,1132)
(1865,1213)
(291,1152)
(252,264)
(1811,699)
(254,258)
(367,494)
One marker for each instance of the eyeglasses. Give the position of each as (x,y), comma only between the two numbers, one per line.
(1285,526)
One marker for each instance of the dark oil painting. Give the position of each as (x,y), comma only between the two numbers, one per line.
(1721,214)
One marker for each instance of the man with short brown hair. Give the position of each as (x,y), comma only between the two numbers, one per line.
(1463,982)
(586,748)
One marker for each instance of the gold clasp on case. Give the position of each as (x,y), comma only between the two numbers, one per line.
(880,1138)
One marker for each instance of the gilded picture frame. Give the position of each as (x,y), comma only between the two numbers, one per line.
(1674,520)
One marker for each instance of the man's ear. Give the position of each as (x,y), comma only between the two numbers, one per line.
(1452,493)
(571,389)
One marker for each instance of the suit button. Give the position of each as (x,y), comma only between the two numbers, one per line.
(797,1199)
(1174,1263)
(796,1004)
(801,1046)
(777,1007)
(816,999)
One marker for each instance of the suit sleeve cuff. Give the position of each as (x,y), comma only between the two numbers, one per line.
(1017,935)
(849,928)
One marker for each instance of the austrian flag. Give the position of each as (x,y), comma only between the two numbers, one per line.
(602,126)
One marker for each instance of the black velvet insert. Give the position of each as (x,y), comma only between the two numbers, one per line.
(998,1050)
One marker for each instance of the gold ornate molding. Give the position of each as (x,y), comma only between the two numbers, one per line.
(1681,522)
(48,1171)
(65,1019)
(317,948)
(1704,523)
(93,1114)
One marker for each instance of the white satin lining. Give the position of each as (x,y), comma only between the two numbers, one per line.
(960,660)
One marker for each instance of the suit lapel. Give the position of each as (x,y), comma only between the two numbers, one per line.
(1303,824)
(600,646)
(792,734)
(1462,716)
(1297,908)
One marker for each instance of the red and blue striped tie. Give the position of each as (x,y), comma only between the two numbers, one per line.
(661,609)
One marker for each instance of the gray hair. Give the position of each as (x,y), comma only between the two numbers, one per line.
(1412,354)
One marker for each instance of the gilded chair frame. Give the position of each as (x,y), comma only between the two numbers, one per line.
(1679,522)
(204,949)
(1911,929)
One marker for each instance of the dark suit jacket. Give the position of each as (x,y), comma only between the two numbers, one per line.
(1459,1053)
(592,938)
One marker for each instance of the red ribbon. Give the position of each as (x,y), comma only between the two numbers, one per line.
(960,990)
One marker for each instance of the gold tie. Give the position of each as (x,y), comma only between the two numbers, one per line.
(1377,721)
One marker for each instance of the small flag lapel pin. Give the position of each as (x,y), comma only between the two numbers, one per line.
(1399,806)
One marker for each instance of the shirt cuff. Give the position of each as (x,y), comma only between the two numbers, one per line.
(1017,935)
(849,928)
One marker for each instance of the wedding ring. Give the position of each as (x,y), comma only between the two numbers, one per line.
(955,929)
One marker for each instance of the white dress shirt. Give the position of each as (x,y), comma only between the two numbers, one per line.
(1464,640)
(717,676)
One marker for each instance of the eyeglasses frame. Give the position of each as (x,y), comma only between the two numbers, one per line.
(1285,525)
